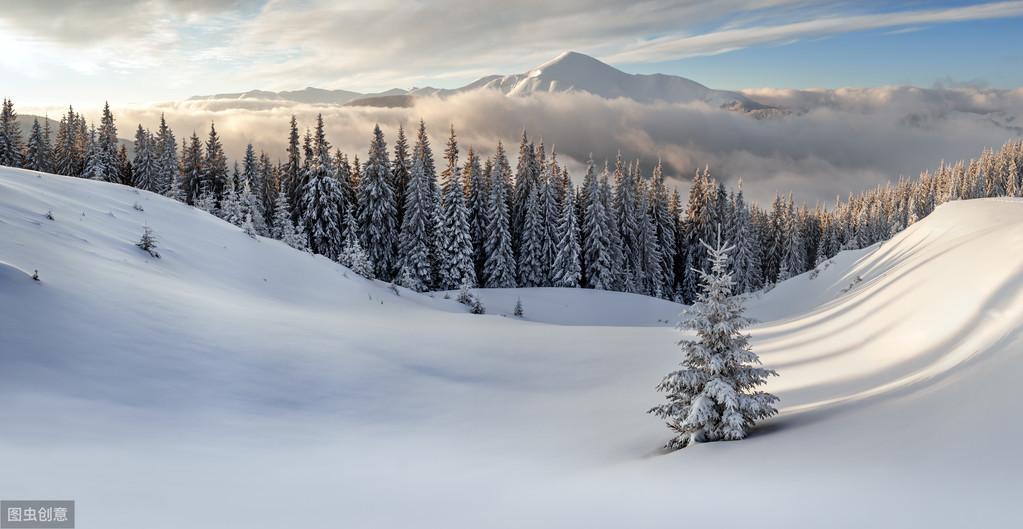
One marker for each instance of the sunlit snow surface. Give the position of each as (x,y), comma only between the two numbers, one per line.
(238,383)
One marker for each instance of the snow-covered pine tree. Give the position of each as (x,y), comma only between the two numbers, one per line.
(614,234)
(124,167)
(283,228)
(456,262)
(248,227)
(106,148)
(714,395)
(477,196)
(746,265)
(793,253)
(166,153)
(550,216)
(95,164)
(530,264)
(665,228)
(400,166)
(292,179)
(321,198)
(352,254)
(527,174)
(192,169)
(377,211)
(36,155)
(347,180)
(596,244)
(651,272)
(626,204)
(567,271)
(145,169)
(10,135)
(499,268)
(416,271)
(231,207)
(422,151)
(253,208)
(214,165)
(65,153)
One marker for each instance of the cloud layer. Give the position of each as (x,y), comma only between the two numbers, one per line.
(833,141)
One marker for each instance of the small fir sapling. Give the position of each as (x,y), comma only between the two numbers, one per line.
(148,242)
(518,307)
(477,306)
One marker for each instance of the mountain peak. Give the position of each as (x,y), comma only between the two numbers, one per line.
(572,62)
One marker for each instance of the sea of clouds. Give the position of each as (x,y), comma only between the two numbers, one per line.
(825,143)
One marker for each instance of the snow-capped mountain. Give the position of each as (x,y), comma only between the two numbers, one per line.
(573,71)
(568,72)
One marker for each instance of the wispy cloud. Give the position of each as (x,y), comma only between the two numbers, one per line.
(733,38)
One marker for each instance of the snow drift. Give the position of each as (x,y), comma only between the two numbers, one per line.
(236,382)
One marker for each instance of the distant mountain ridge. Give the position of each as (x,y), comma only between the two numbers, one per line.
(568,72)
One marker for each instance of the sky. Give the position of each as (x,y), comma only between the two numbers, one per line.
(87,51)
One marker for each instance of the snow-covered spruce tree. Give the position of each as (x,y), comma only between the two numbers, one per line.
(37,156)
(145,169)
(192,169)
(124,167)
(477,195)
(377,211)
(283,228)
(596,244)
(665,226)
(456,263)
(652,274)
(530,265)
(550,215)
(499,268)
(206,200)
(10,136)
(627,211)
(518,308)
(95,163)
(567,271)
(106,147)
(400,171)
(214,165)
(746,265)
(166,153)
(422,152)
(416,271)
(231,207)
(352,254)
(714,395)
(253,207)
(248,227)
(614,233)
(527,174)
(321,197)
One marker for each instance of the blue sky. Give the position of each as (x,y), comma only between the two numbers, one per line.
(985,52)
(129,51)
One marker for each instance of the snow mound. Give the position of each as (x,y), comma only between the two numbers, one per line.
(259,386)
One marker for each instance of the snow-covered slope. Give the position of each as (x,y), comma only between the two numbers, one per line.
(238,383)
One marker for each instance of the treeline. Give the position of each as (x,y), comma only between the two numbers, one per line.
(480,221)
